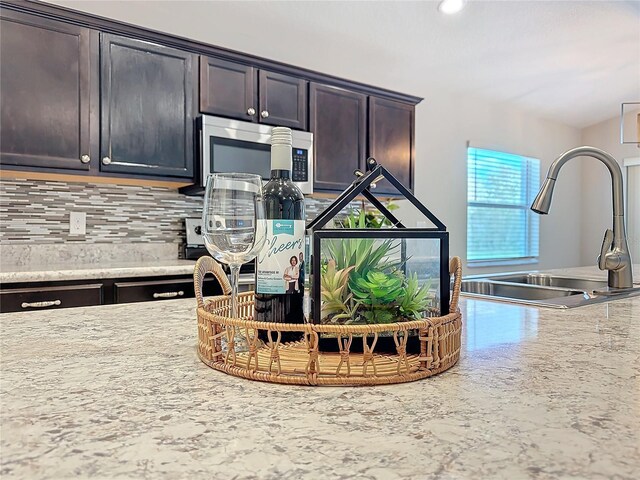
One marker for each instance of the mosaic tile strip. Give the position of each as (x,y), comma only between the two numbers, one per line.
(37,212)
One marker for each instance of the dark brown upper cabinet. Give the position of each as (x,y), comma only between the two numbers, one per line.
(338,120)
(240,91)
(90,96)
(227,89)
(46,94)
(283,100)
(392,141)
(147,108)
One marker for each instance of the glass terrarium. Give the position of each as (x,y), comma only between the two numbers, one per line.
(377,275)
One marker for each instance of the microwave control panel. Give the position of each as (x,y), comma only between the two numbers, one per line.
(300,166)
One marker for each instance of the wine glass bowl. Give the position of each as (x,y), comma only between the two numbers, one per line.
(233,222)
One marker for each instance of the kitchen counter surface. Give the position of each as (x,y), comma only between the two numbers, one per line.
(118,392)
(79,271)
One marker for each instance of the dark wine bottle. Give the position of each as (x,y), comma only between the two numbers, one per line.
(280,264)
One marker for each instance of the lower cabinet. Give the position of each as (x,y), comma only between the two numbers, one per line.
(44,298)
(145,291)
(20,297)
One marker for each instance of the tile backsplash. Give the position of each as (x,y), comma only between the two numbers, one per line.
(37,213)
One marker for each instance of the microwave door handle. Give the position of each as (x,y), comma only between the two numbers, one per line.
(205,155)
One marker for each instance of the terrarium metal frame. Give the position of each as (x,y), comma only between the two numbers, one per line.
(361,186)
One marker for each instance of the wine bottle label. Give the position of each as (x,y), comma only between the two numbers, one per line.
(280,263)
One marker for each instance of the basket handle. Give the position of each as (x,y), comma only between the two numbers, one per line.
(206,265)
(455,269)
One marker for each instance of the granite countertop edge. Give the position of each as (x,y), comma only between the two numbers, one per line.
(52,273)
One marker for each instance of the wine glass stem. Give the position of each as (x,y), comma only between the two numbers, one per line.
(235,276)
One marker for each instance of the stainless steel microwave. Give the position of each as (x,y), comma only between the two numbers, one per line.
(233,146)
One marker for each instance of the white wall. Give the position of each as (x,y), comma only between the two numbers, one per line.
(632,212)
(444,124)
(596,196)
(444,121)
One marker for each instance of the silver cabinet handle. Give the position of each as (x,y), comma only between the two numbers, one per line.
(358,173)
(168,294)
(85,158)
(106,160)
(264,114)
(49,303)
(251,111)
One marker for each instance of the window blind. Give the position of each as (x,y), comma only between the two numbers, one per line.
(500,189)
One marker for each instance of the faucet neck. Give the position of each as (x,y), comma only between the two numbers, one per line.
(604,157)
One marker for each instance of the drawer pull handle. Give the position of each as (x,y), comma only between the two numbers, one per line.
(50,303)
(168,294)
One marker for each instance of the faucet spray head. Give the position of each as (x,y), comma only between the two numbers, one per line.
(543,200)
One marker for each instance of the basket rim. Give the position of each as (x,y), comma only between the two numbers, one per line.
(216,316)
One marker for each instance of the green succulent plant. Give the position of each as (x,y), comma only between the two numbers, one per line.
(380,314)
(364,280)
(336,299)
(376,287)
(377,292)
(415,299)
(370,218)
(363,254)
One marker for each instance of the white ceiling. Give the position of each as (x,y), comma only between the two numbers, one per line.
(572,61)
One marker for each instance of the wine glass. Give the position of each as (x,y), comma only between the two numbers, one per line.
(233,222)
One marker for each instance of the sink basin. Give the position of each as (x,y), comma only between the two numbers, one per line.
(511,290)
(521,293)
(584,284)
(543,290)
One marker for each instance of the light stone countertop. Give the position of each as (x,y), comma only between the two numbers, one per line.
(117,391)
(100,269)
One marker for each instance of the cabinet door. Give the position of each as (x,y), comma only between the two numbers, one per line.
(337,119)
(150,290)
(146,108)
(43,298)
(392,140)
(45,94)
(283,100)
(228,89)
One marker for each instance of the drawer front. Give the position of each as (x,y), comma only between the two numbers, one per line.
(45,298)
(155,290)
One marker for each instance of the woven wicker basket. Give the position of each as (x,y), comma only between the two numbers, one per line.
(302,363)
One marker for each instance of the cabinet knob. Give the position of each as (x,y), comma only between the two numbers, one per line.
(106,160)
(85,158)
(264,114)
(251,111)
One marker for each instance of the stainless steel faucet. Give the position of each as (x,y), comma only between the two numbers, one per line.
(614,254)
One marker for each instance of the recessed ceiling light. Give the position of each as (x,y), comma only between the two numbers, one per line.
(450,7)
